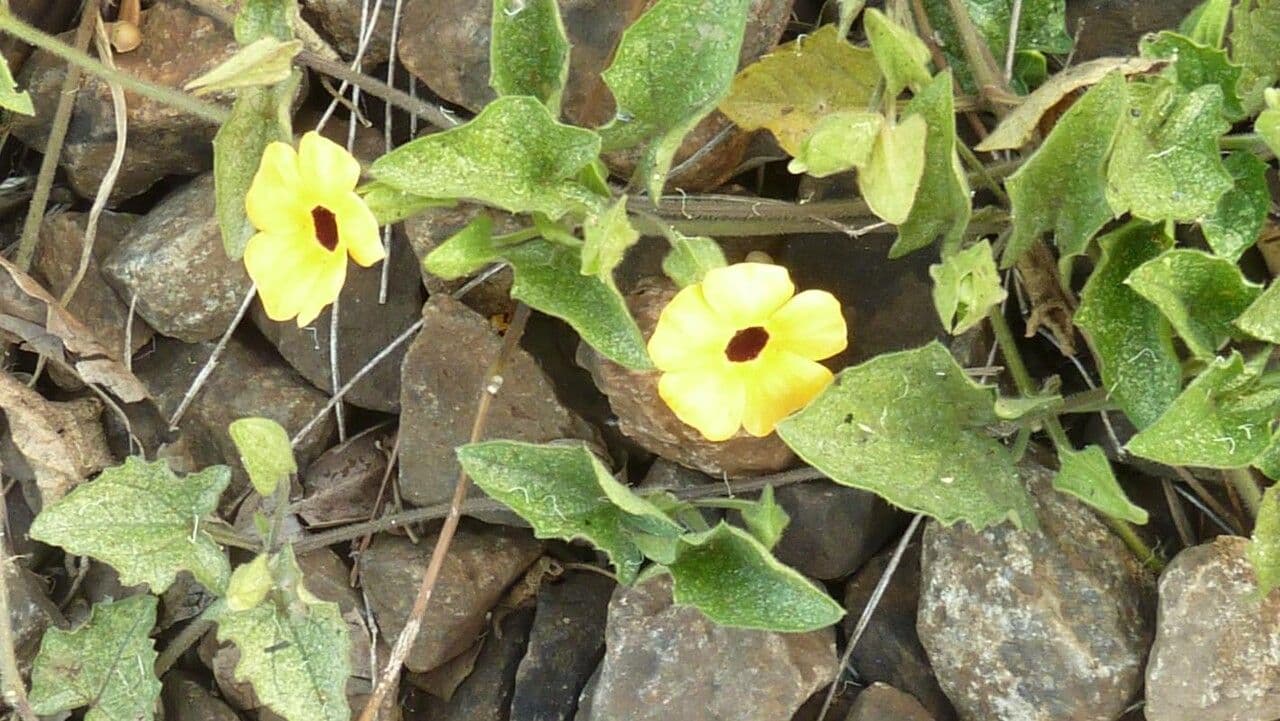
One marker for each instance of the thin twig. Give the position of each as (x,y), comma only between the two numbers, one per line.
(1207,498)
(1014,21)
(15,693)
(185,639)
(207,370)
(388,118)
(1179,515)
(356,62)
(1217,520)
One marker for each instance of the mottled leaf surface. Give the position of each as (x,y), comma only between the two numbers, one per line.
(1235,224)
(265,451)
(528,50)
(1262,318)
(942,207)
(966,286)
(1087,475)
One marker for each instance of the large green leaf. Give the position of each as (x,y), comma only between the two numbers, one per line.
(733,579)
(10,97)
(1041,26)
(1222,420)
(1264,548)
(1207,24)
(1132,340)
(265,451)
(1235,224)
(942,206)
(1195,64)
(901,55)
(514,155)
(671,68)
(909,426)
(892,175)
(528,50)
(144,521)
(105,664)
(1255,44)
(1087,475)
(1262,318)
(966,286)
(1062,187)
(1200,294)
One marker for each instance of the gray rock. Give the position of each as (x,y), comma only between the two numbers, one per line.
(880,702)
(664,661)
(1217,650)
(565,647)
(889,650)
(428,230)
(338,21)
(31,613)
(1048,625)
(180,46)
(342,485)
(173,260)
(442,376)
(482,562)
(834,529)
(485,695)
(185,699)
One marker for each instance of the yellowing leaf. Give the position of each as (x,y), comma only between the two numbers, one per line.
(265,451)
(10,97)
(891,177)
(690,258)
(265,61)
(942,206)
(965,287)
(840,141)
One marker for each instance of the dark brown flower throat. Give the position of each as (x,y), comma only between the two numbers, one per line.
(326,227)
(746,344)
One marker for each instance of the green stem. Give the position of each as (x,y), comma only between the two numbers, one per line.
(158,93)
(227,536)
(1244,484)
(1125,531)
(1248,142)
(979,169)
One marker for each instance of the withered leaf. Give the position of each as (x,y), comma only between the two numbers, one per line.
(63,441)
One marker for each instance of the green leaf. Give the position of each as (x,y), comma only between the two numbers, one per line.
(1264,548)
(105,664)
(1133,341)
(1087,475)
(1061,188)
(1269,460)
(259,117)
(892,175)
(10,97)
(672,67)
(528,50)
(765,519)
(734,580)
(1166,164)
(1196,64)
(558,490)
(1030,71)
(1235,224)
(1019,407)
(966,286)
(902,57)
(839,142)
(607,237)
(548,277)
(1255,44)
(514,155)
(249,585)
(392,205)
(909,427)
(265,451)
(1041,26)
(849,10)
(796,87)
(1207,24)
(942,206)
(1199,293)
(1262,318)
(143,520)
(1221,420)
(1268,122)
(464,252)
(690,258)
(265,61)
(258,19)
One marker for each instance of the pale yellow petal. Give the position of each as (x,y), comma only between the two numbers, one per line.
(746,294)
(709,400)
(294,275)
(358,230)
(776,385)
(274,203)
(688,334)
(810,325)
(324,286)
(326,167)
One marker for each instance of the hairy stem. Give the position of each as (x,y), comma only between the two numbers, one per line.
(1242,480)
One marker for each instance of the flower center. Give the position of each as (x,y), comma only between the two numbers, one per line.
(746,344)
(326,227)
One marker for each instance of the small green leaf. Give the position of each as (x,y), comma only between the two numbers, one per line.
(548,277)
(1207,24)
(1255,44)
(796,87)
(1019,407)
(965,287)
(528,50)
(143,520)
(893,173)
(10,97)
(1133,341)
(1264,548)
(1166,164)
(1262,318)
(1061,188)
(765,519)
(1268,122)
(1087,475)
(1042,26)
(249,585)
(849,10)
(607,237)
(909,427)
(1200,294)
(259,19)
(902,57)
(392,205)
(464,252)
(840,141)
(1030,71)
(1234,226)
(734,580)
(514,155)
(1196,64)
(671,68)
(265,61)
(942,206)
(1221,420)
(265,451)
(690,258)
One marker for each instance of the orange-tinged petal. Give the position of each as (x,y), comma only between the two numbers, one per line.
(358,230)
(327,169)
(809,325)
(709,400)
(688,334)
(294,274)
(746,294)
(777,385)
(273,202)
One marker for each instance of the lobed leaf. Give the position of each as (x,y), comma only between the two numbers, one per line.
(1234,226)
(690,258)
(1195,64)
(765,518)
(902,57)
(1087,475)
(528,50)
(1262,318)
(966,286)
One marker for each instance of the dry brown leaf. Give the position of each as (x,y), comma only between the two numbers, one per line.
(62,441)
(1051,307)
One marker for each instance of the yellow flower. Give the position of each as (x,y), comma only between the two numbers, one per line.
(309,219)
(741,349)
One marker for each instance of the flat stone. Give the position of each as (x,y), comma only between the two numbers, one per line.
(180,46)
(482,562)
(57,259)
(1048,625)
(342,484)
(834,529)
(426,231)
(1217,650)
(185,699)
(664,661)
(442,376)
(881,702)
(485,695)
(173,260)
(565,646)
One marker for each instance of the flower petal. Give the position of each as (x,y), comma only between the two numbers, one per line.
(777,385)
(358,230)
(273,202)
(688,334)
(810,325)
(324,288)
(709,400)
(326,167)
(746,294)
(294,275)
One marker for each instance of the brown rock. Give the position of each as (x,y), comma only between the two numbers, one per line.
(342,485)
(834,529)
(186,700)
(31,613)
(1217,650)
(482,562)
(880,702)
(338,21)
(428,230)
(485,695)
